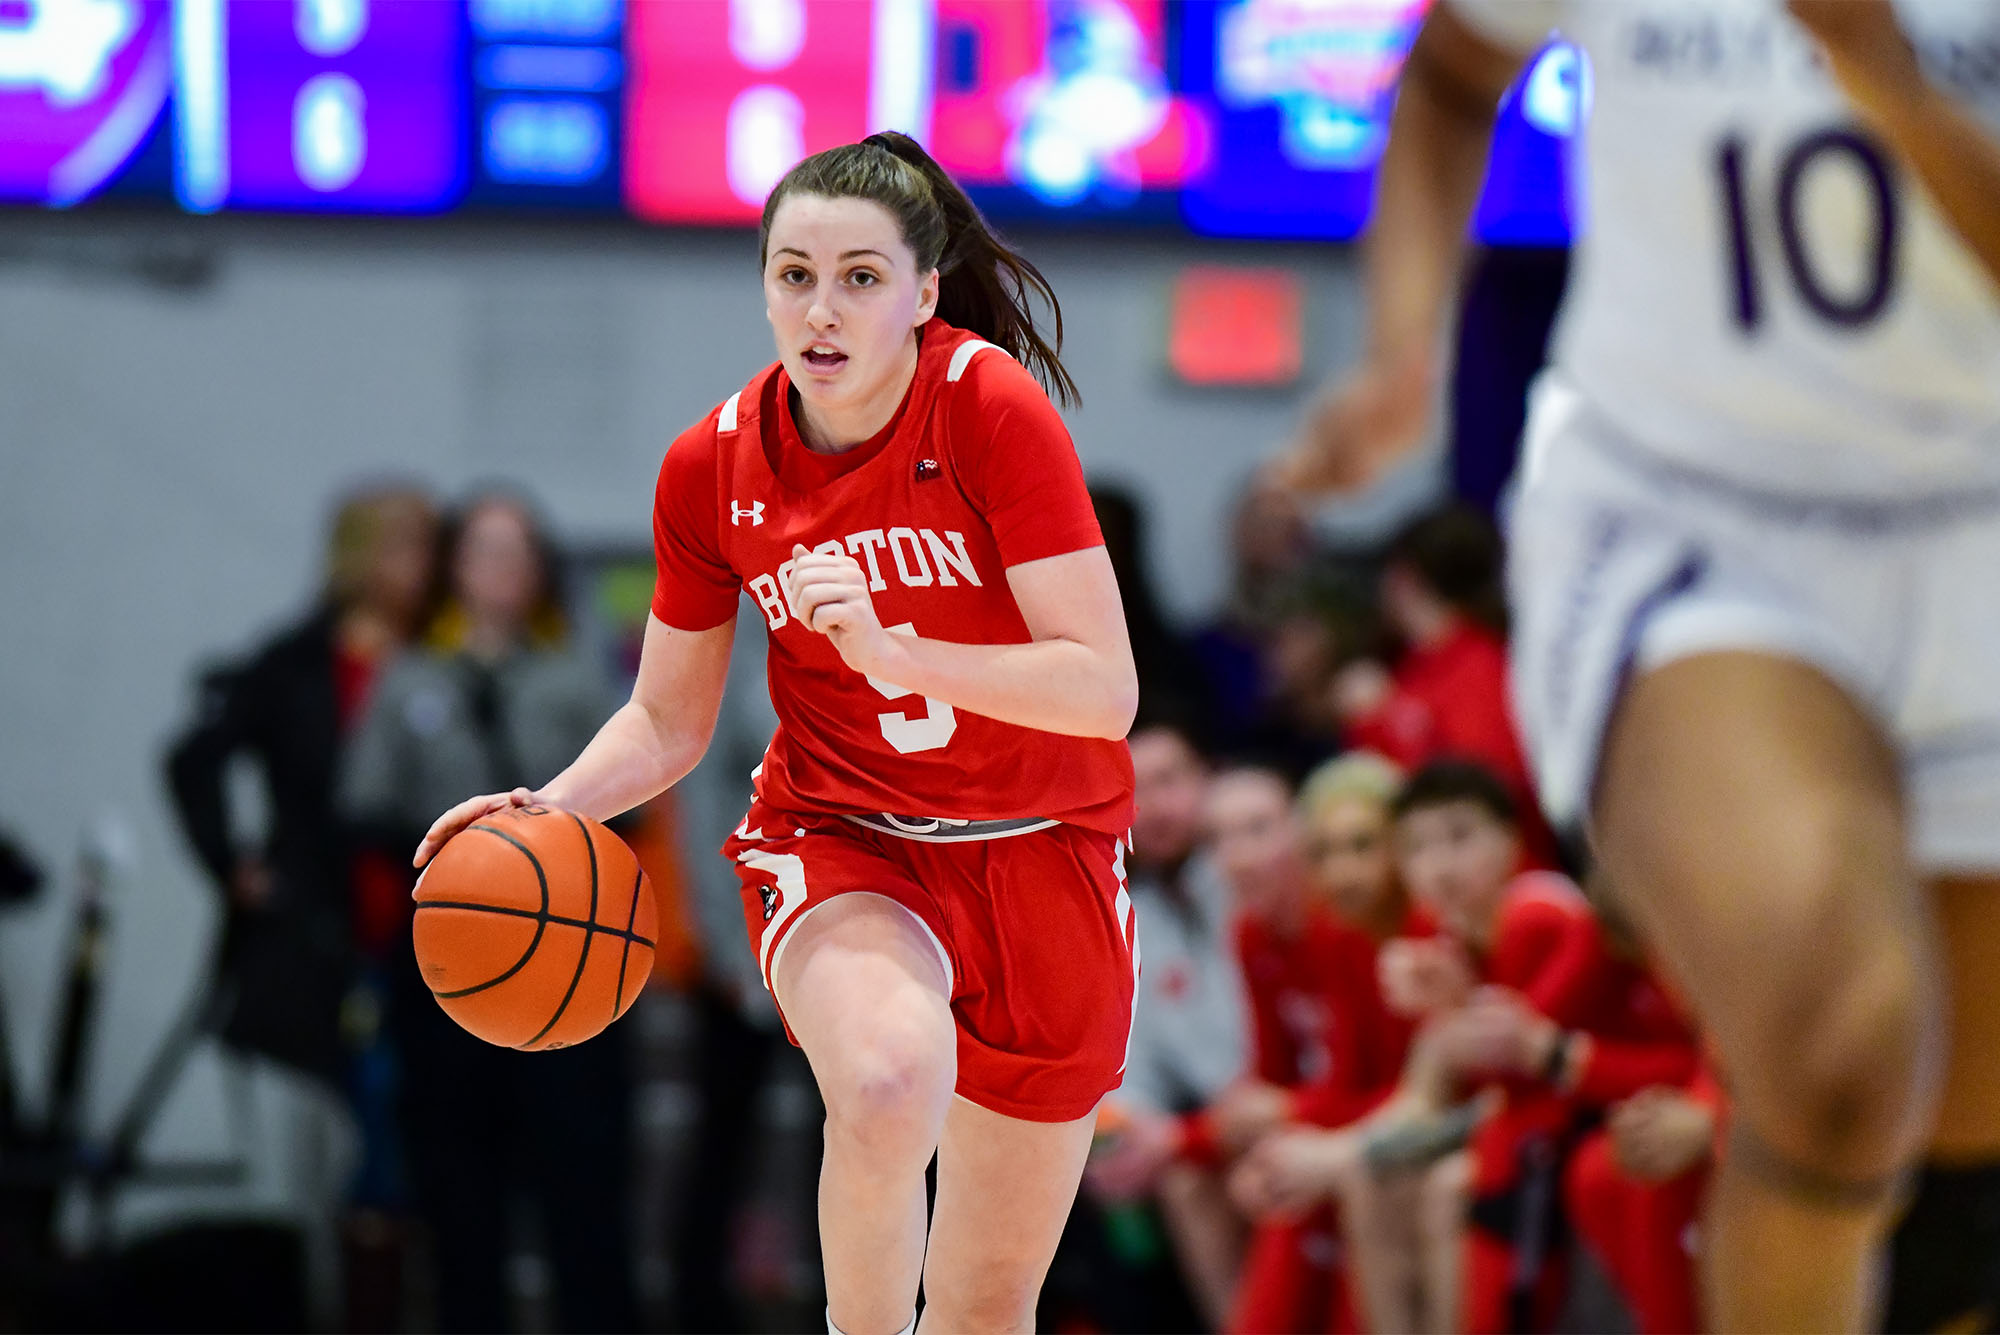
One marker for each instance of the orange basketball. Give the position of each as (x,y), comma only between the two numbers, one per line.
(535,927)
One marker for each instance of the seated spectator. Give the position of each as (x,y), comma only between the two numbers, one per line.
(1293,1279)
(1511,948)
(1444,695)
(1190,1027)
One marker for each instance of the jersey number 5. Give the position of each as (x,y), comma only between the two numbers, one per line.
(929,732)
(1878,276)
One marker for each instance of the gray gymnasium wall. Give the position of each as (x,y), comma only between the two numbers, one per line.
(167,455)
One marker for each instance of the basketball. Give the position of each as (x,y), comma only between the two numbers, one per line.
(535,928)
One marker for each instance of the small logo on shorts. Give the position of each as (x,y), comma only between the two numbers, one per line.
(928,469)
(769,894)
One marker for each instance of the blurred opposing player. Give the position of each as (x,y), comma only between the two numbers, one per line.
(933,866)
(1751,573)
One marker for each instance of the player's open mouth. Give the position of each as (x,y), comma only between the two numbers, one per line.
(825,359)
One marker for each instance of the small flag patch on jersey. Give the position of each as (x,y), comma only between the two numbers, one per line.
(928,469)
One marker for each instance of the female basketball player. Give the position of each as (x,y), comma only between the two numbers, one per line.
(1751,574)
(932,868)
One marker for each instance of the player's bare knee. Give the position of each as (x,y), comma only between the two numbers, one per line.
(891,1089)
(1844,1078)
(1002,1299)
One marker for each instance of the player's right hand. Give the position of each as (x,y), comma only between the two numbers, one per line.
(464,814)
(1359,427)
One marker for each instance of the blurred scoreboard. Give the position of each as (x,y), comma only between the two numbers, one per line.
(1259,118)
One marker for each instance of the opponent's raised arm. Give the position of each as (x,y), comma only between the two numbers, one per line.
(1074,677)
(652,740)
(1439,134)
(1956,158)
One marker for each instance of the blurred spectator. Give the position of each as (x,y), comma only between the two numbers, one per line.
(1171,681)
(1189,1027)
(286,958)
(1534,1002)
(1445,694)
(299,900)
(497,701)
(1270,548)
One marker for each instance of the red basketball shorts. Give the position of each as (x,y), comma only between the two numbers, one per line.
(1035,931)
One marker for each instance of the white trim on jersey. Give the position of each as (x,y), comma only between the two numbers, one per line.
(728,420)
(963,358)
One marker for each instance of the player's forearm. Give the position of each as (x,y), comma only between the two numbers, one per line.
(1956,158)
(634,757)
(1427,186)
(1056,685)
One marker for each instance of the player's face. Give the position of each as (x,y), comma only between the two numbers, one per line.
(1457,858)
(1256,842)
(1347,844)
(844,298)
(1169,789)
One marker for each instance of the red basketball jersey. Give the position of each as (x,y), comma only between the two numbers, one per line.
(975,473)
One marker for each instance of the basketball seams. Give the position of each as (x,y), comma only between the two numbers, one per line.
(582,956)
(625,953)
(541,921)
(553,919)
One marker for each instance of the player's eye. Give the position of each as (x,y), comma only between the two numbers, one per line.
(794,276)
(863,278)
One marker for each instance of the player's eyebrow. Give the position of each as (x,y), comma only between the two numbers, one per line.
(845,254)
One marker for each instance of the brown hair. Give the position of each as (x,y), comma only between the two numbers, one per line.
(984,285)
(548,623)
(360,522)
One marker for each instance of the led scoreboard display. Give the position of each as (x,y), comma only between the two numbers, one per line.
(1225,117)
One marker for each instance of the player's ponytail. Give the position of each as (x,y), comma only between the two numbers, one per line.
(985,286)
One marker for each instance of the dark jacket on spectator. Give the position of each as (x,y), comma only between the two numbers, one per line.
(285,966)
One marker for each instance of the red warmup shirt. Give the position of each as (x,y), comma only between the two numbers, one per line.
(1319,1025)
(1450,699)
(1548,946)
(975,473)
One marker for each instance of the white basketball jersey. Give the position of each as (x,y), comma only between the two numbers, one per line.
(1760,290)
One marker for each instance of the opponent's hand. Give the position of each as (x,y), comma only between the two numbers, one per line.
(831,594)
(1871,56)
(1660,1133)
(1290,1172)
(1359,427)
(464,814)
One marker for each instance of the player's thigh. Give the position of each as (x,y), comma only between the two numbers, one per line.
(861,985)
(1968,1120)
(1004,1191)
(1749,815)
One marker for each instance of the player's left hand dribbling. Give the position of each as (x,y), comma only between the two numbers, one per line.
(831,594)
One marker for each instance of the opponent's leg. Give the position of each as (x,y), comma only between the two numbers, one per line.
(1004,1188)
(1749,815)
(1945,1258)
(862,987)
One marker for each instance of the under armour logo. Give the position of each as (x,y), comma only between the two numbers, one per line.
(755,514)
